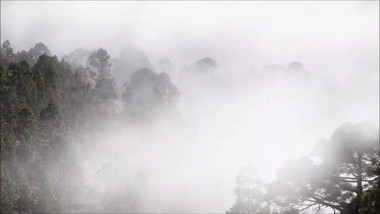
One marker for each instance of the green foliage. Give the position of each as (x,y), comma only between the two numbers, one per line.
(31,92)
(33,148)
(371,199)
(8,192)
(8,147)
(51,116)
(49,67)
(10,115)
(26,118)
(24,151)
(39,80)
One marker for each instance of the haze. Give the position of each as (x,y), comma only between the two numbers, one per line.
(237,115)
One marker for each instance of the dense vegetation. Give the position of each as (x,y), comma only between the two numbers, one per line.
(48,106)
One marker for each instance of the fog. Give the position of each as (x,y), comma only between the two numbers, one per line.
(187,158)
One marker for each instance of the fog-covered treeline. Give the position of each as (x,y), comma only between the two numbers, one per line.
(95,133)
(49,108)
(189,107)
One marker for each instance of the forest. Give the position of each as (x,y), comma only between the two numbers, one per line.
(59,115)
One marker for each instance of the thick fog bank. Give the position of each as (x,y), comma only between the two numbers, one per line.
(220,125)
(181,96)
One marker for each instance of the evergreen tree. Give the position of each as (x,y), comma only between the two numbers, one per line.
(148,94)
(26,118)
(105,88)
(249,192)
(346,179)
(7,52)
(8,192)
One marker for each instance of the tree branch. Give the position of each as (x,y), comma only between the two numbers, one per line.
(352,170)
(320,200)
(308,206)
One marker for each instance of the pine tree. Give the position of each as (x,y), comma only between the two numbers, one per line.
(249,192)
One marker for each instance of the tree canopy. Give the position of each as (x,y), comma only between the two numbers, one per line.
(343,179)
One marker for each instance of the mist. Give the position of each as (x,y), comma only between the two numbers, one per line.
(254,83)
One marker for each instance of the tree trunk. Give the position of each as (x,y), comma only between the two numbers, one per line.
(359,187)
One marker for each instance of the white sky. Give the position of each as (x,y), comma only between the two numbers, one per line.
(252,32)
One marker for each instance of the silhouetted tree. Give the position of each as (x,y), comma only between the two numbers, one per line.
(147,92)
(249,192)
(7,52)
(349,170)
(105,88)
(130,60)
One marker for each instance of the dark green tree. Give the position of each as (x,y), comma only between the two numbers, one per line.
(8,148)
(53,126)
(27,119)
(51,116)
(10,115)
(34,164)
(49,67)
(8,192)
